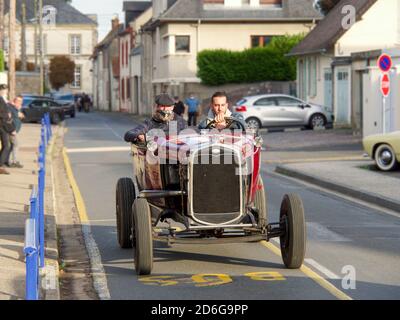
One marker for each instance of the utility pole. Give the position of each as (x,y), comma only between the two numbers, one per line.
(23,38)
(41,47)
(36,32)
(1,23)
(11,55)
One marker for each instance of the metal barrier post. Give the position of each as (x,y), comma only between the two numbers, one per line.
(42,184)
(32,270)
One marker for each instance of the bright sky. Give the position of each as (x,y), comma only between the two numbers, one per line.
(105,10)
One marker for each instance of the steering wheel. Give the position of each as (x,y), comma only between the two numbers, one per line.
(229,123)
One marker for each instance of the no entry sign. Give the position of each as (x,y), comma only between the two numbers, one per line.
(385,85)
(385,62)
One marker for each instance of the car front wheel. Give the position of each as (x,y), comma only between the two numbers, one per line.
(385,158)
(317,121)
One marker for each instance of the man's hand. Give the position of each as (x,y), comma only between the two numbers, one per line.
(141,138)
(14,133)
(21,115)
(220,122)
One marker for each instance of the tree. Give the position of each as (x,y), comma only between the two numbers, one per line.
(1,60)
(324,6)
(61,71)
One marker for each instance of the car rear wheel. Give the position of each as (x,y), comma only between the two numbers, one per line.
(260,202)
(293,242)
(143,237)
(317,121)
(253,123)
(125,195)
(385,158)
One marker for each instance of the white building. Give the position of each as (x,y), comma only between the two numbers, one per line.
(74,35)
(337,64)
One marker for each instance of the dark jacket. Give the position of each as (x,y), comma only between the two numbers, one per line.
(179,108)
(6,123)
(17,121)
(149,124)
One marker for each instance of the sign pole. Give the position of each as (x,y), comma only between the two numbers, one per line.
(384,115)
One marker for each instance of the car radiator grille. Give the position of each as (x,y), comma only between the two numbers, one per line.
(216,192)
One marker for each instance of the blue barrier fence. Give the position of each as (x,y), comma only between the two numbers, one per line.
(34,228)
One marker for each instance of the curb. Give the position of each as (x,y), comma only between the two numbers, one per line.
(50,275)
(340,188)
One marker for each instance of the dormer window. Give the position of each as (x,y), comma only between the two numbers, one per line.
(260,4)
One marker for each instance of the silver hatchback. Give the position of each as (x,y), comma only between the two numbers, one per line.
(273,110)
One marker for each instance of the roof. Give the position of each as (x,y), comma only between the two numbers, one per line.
(66,14)
(133,9)
(294,10)
(108,39)
(329,30)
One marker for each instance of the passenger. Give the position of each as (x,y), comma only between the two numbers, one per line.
(162,117)
(219,113)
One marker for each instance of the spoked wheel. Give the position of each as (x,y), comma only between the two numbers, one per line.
(260,202)
(125,195)
(293,242)
(143,237)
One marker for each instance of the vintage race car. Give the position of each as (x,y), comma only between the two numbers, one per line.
(202,188)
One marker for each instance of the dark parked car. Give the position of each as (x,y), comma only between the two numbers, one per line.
(35,107)
(67,102)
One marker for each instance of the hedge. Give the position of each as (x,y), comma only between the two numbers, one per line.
(217,67)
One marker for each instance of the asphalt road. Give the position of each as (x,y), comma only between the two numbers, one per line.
(344,238)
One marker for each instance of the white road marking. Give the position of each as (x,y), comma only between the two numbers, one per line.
(113,131)
(318,232)
(100,149)
(322,269)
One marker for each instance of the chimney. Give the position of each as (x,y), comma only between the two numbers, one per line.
(115,23)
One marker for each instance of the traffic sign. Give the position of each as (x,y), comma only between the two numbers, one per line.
(385,85)
(385,62)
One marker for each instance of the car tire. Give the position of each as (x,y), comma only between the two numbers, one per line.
(261,204)
(253,123)
(55,118)
(125,196)
(317,120)
(293,241)
(385,158)
(143,237)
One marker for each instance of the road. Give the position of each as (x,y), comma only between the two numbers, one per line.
(343,237)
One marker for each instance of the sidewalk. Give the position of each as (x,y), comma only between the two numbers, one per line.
(352,178)
(15,191)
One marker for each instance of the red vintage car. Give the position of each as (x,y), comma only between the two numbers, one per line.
(202,188)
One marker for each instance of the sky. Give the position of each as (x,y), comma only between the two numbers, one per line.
(105,10)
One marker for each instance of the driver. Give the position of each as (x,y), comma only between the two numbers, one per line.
(162,117)
(220,116)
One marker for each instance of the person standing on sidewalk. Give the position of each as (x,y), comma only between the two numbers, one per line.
(6,127)
(179,107)
(17,115)
(193,109)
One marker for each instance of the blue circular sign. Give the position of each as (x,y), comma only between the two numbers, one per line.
(385,62)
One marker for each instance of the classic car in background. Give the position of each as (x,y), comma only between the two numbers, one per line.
(384,149)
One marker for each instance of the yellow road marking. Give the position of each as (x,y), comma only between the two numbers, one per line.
(213,280)
(162,281)
(80,204)
(265,276)
(313,275)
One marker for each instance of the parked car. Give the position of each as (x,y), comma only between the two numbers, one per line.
(35,107)
(184,185)
(67,102)
(384,149)
(273,110)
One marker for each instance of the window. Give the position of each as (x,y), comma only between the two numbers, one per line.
(260,41)
(265,102)
(6,44)
(128,89)
(77,77)
(75,44)
(312,76)
(182,44)
(288,102)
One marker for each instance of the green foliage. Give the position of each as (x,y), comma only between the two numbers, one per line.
(1,60)
(217,67)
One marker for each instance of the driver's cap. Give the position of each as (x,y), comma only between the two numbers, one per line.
(164,99)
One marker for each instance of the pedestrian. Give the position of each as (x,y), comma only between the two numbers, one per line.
(193,109)
(179,108)
(6,128)
(17,115)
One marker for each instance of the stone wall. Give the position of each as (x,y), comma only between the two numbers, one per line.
(27,83)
